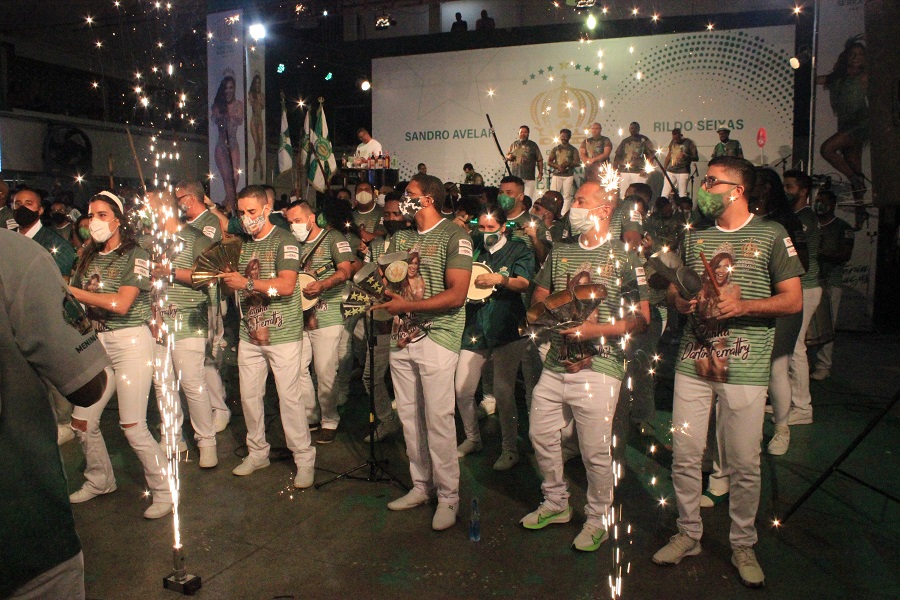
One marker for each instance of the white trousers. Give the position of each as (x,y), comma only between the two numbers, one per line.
(383,409)
(801,401)
(739,424)
(532,365)
(253,369)
(786,331)
(681,182)
(322,347)
(566,187)
(626,179)
(184,364)
(531,188)
(131,353)
(423,374)
(468,373)
(826,351)
(589,399)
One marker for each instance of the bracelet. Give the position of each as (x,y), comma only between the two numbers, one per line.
(505,281)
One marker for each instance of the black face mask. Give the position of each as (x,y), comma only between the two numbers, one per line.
(59,219)
(393,227)
(24,216)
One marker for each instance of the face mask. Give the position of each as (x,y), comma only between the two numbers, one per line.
(711,206)
(580,220)
(491,239)
(821,208)
(101,230)
(253,226)
(321,221)
(84,233)
(364,198)
(792,197)
(380,200)
(300,231)
(59,218)
(410,206)
(393,227)
(506,202)
(24,216)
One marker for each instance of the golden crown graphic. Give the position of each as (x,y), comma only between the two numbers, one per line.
(563,107)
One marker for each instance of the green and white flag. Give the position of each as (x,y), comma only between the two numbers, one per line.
(320,158)
(285,150)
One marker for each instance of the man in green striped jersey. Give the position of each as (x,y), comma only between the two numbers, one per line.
(423,369)
(192,200)
(584,368)
(751,275)
(271,335)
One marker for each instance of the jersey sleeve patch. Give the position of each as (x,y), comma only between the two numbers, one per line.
(291,253)
(209,231)
(789,245)
(465,247)
(344,247)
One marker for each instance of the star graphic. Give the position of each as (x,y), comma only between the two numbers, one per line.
(604,77)
(532,76)
(550,68)
(524,82)
(578,66)
(596,71)
(540,72)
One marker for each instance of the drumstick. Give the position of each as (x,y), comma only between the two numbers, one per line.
(710,274)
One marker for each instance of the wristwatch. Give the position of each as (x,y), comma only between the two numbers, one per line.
(249,285)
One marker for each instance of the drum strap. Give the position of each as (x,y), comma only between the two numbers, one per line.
(304,264)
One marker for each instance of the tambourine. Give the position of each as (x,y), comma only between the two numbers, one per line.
(304,279)
(476,294)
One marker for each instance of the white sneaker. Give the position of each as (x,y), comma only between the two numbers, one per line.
(679,546)
(412,499)
(249,465)
(181,446)
(305,477)
(83,495)
(748,567)
(468,447)
(506,461)
(797,418)
(444,516)
(544,515)
(779,443)
(590,538)
(158,510)
(64,434)
(209,458)
(221,418)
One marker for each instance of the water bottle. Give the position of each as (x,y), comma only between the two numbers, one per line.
(475,523)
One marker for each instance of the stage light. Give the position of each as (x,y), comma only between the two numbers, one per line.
(365,85)
(329,76)
(257,32)
(591,21)
(280,68)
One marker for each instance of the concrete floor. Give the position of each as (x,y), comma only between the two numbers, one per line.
(257,538)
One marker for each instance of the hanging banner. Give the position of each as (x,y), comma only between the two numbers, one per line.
(431,108)
(256,111)
(226,93)
(842,150)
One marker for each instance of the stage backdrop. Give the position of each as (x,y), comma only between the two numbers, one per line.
(431,108)
(841,21)
(256,111)
(227,118)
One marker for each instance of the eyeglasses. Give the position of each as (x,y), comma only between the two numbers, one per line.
(710,181)
(184,196)
(408,196)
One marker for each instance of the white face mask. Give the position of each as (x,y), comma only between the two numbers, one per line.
(364,198)
(380,200)
(300,231)
(101,230)
(580,220)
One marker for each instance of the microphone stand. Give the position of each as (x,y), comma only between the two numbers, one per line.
(783,163)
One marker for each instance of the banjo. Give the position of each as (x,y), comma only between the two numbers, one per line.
(475,294)
(304,279)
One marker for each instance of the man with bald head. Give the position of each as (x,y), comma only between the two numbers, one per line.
(583,370)
(594,152)
(27,211)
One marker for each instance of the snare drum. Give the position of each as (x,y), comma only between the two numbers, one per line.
(476,294)
(304,279)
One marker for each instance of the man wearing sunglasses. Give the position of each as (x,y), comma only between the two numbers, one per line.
(751,275)
(423,368)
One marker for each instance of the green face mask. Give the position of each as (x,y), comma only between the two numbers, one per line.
(491,239)
(506,202)
(84,233)
(711,206)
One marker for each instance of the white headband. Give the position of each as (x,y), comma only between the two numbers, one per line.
(114,198)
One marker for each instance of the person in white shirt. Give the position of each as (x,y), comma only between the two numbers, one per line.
(367,144)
